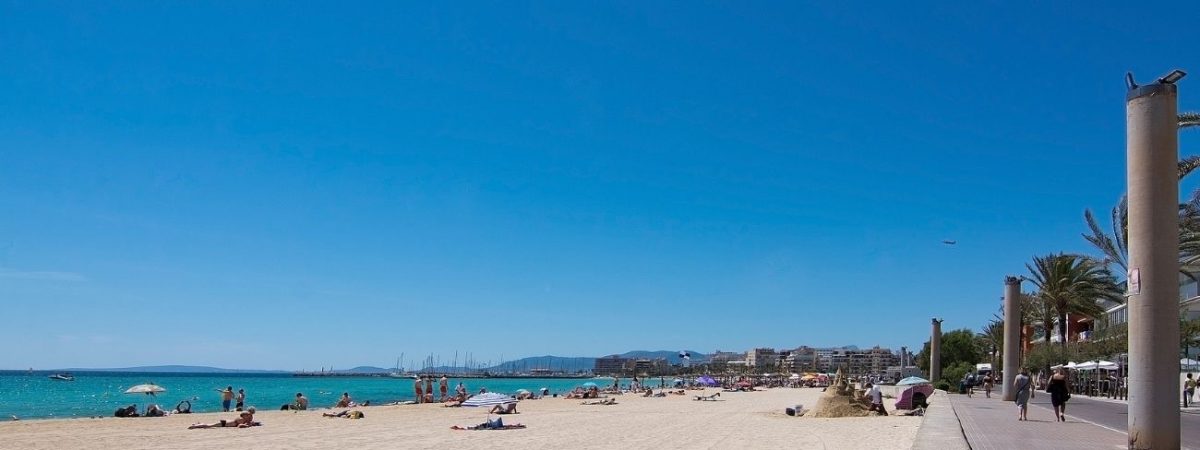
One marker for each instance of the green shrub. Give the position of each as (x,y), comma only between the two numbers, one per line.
(942,385)
(951,375)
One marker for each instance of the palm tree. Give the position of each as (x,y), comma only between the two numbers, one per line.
(1114,246)
(1072,284)
(991,338)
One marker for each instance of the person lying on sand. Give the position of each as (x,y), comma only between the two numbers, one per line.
(244,420)
(497,424)
(607,401)
(346,414)
(712,397)
(507,408)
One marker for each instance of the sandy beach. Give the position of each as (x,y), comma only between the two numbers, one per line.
(738,420)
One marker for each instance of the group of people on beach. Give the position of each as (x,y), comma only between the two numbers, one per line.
(227,397)
(425,394)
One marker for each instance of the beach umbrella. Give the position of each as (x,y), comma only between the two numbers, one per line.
(912,381)
(590,385)
(488,399)
(148,389)
(1188,364)
(794,376)
(707,381)
(522,391)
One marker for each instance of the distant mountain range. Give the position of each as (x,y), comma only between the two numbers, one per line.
(549,362)
(173,369)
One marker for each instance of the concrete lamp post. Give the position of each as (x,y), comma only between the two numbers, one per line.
(935,351)
(1012,336)
(1152,152)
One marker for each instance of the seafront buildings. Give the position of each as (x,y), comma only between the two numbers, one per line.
(851,360)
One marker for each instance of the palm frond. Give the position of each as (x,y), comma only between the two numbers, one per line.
(1189,119)
(1186,165)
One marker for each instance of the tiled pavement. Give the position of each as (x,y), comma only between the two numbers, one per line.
(992,424)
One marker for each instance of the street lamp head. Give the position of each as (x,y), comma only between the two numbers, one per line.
(1172,77)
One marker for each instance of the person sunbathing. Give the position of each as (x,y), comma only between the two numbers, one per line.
(346,414)
(607,401)
(507,408)
(244,420)
(712,397)
(497,424)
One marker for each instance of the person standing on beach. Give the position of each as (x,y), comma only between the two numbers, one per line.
(241,400)
(429,390)
(226,397)
(417,390)
(1024,392)
(443,386)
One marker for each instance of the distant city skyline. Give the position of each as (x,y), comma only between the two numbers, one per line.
(249,186)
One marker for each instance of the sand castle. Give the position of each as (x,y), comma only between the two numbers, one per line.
(841,399)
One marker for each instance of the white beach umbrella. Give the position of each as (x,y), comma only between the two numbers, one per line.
(489,399)
(149,389)
(1188,363)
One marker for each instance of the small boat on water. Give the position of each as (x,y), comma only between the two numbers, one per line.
(62,377)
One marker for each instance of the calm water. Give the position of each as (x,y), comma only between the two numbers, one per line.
(99,394)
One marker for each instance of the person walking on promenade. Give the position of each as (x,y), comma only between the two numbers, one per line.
(443,385)
(417,389)
(1024,392)
(1059,394)
(1189,389)
(987,385)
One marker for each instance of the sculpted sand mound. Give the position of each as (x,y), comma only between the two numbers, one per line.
(833,405)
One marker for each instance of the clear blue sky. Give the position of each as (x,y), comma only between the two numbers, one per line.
(241,185)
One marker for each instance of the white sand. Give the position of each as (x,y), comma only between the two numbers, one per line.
(739,420)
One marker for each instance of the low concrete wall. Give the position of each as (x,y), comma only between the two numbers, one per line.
(940,429)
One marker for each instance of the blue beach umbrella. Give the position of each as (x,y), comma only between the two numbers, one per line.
(911,381)
(590,385)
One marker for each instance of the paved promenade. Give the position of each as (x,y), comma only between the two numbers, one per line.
(1091,424)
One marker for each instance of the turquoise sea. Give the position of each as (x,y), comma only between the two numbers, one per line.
(30,396)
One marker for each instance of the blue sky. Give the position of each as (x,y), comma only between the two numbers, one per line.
(241,185)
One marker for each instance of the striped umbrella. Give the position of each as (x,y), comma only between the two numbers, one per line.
(489,399)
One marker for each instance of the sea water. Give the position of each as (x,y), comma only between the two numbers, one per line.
(34,395)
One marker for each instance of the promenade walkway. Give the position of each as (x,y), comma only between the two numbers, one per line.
(1091,424)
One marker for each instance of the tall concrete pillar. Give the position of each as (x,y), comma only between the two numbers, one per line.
(935,351)
(1152,150)
(1012,336)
